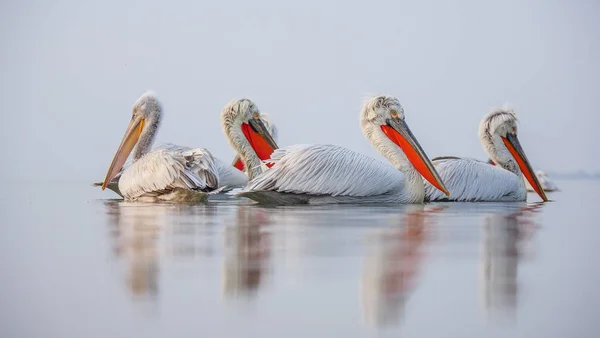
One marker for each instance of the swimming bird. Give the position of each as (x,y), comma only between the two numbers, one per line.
(170,172)
(323,174)
(470,180)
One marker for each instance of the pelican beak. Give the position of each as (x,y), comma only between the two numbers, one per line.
(512,143)
(132,134)
(399,133)
(259,138)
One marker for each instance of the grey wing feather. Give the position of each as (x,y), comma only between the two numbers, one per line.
(327,170)
(201,162)
(472,180)
(229,176)
(162,170)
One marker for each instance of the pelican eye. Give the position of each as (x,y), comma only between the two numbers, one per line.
(256,116)
(394,113)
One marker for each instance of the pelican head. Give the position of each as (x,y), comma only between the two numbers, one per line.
(273,131)
(246,132)
(382,120)
(498,134)
(145,119)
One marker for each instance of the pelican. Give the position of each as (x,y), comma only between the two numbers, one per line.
(171,172)
(324,174)
(472,180)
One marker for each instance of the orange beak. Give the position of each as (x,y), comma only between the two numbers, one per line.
(132,135)
(259,138)
(512,143)
(399,133)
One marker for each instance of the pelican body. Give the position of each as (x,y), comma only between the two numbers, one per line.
(170,172)
(324,174)
(470,180)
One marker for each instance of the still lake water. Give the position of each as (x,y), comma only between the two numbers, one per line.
(76,263)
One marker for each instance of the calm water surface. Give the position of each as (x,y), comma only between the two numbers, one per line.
(75,263)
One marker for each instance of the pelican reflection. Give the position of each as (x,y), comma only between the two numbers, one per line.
(134,231)
(247,252)
(504,242)
(394,256)
(143,235)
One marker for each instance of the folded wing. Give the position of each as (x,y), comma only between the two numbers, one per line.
(472,180)
(327,170)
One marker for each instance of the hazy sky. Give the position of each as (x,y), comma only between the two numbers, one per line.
(70,72)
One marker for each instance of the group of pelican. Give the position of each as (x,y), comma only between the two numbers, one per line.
(318,173)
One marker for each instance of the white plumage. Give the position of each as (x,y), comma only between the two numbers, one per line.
(158,173)
(472,180)
(331,171)
(321,174)
(229,176)
(161,174)
(169,170)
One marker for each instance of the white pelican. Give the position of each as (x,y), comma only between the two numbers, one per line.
(174,173)
(473,180)
(322,174)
